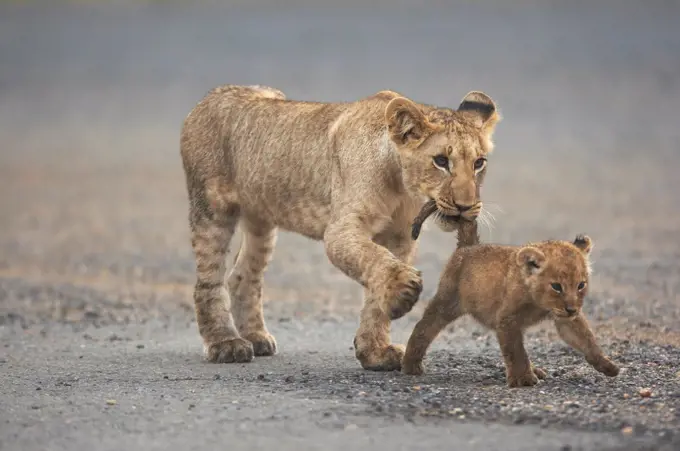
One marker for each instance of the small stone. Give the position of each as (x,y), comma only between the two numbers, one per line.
(217,377)
(628,430)
(140,346)
(111,402)
(351,427)
(289,379)
(456,411)
(573,404)
(191,406)
(416,388)
(626,396)
(35,407)
(166,377)
(645,392)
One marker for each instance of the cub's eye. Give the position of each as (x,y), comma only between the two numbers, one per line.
(479,163)
(441,161)
(556,286)
(581,286)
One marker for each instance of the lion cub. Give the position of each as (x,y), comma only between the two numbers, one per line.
(507,289)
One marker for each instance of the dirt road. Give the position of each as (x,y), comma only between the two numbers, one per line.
(98,347)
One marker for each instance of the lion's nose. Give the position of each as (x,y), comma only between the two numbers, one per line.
(570,310)
(463,208)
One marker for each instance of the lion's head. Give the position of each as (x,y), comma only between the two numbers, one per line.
(556,274)
(444,152)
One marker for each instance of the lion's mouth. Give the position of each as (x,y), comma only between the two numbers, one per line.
(449,218)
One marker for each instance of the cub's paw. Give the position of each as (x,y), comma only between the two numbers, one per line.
(264,343)
(235,350)
(412,367)
(386,358)
(402,290)
(525,380)
(606,367)
(538,372)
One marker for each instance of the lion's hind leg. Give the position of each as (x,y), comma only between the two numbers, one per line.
(246,280)
(213,219)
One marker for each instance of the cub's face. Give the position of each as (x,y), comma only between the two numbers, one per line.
(445,152)
(557,274)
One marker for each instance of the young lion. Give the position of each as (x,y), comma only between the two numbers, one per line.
(507,289)
(351,174)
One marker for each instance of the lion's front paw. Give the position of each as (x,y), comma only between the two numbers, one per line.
(235,350)
(606,367)
(387,358)
(525,380)
(402,291)
(264,343)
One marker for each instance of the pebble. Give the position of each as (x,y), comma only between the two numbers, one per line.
(628,430)
(140,346)
(217,377)
(111,402)
(645,392)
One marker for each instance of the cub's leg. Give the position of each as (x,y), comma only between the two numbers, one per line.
(245,284)
(213,219)
(443,309)
(519,370)
(577,334)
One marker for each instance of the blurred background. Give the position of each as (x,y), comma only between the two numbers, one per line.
(93,224)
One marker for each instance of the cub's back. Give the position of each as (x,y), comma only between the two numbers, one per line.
(476,276)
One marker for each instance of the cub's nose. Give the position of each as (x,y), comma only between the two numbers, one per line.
(570,310)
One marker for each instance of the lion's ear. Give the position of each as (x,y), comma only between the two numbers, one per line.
(531,258)
(405,122)
(484,108)
(584,243)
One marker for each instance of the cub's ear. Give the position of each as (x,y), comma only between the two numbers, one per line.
(584,243)
(531,258)
(484,108)
(405,122)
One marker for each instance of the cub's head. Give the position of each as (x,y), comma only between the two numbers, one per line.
(557,274)
(444,152)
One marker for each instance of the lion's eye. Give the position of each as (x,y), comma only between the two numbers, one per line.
(441,161)
(479,163)
(556,286)
(581,286)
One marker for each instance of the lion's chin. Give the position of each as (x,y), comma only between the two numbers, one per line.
(447,223)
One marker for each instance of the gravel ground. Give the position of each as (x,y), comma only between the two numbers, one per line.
(96,269)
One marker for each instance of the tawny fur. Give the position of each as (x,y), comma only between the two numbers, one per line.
(351,174)
(508,289)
